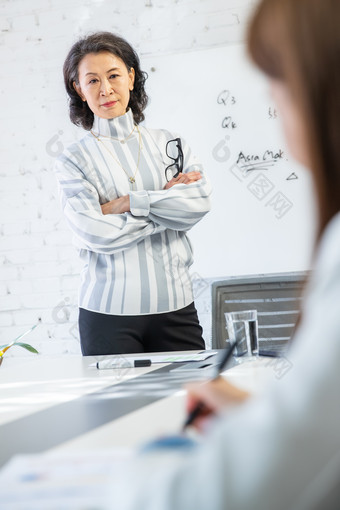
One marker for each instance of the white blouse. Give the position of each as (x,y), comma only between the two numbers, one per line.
(137,262)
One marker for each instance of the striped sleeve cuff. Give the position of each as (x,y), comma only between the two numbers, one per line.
(139,203)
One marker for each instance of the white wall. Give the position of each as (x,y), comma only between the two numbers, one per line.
(38,265)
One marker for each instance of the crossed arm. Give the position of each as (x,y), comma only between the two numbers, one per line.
(121,223)
(122,204)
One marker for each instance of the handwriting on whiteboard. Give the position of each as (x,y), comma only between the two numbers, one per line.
(272,113)
(225,98)
(251,162)
(261,187)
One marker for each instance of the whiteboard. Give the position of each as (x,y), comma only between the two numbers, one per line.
(263,216)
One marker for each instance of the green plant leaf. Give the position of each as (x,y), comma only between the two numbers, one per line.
(28,347)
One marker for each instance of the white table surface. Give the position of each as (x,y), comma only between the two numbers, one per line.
(77,473)
(34,383)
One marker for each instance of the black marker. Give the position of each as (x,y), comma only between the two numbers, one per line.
(119,362)
(142,362)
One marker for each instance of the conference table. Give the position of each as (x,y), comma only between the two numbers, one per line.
(65,405)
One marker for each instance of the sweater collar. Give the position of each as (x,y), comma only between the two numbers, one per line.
(118,127)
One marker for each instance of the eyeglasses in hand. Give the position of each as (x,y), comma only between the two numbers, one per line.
(173,170)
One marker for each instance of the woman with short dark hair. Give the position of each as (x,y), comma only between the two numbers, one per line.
(80,113)
(129,194)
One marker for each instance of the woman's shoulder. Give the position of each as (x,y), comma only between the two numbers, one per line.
(78,149)
(328,253)
(326,269)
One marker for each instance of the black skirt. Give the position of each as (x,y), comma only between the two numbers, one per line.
(122,334)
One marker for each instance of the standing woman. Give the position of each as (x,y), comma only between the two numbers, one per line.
(129,194)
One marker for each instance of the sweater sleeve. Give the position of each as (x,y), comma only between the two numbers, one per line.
(181,206)
(92,229)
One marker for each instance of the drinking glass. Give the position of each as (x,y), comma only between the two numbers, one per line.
(243,328)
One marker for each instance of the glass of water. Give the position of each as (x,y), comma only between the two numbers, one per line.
(243,328)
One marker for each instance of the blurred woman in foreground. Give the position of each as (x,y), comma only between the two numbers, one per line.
(280,450)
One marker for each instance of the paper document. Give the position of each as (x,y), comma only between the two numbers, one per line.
(121,362)
(61,481)
(180,358)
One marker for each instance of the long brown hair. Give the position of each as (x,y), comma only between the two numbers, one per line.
(298,42)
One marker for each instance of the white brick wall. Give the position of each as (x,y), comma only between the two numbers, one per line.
(38,266)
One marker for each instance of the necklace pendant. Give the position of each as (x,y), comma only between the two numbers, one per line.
(132,180)
(122,141)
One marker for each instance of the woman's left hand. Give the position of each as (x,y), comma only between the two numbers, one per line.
(117,206)
(184,179)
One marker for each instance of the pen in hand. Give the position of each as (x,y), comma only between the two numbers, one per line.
(200,406)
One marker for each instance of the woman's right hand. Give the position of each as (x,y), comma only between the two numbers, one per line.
(117,206)
(186,178)
(215,396)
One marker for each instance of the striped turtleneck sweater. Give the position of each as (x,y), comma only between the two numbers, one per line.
(137,262)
